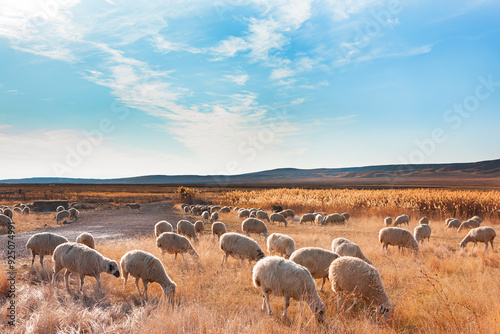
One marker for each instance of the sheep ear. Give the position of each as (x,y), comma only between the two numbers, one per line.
(110,268)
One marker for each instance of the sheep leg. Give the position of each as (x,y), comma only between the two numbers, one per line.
(491,242)
(41,259)
(66,278)
(57,269)
(266,297)
(145,283)
(98,279)
(82,278)
(287,303)
(348,311)
(33,260)
(125,278)
(322,284)
(340,301)
(137,285)
(486,247)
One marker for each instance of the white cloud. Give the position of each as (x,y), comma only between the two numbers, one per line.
(238,79)
(163,46)
(281,73)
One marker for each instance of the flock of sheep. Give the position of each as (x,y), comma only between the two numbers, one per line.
(7,214)
(352,275)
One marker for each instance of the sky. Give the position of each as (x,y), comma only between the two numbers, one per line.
(110,88)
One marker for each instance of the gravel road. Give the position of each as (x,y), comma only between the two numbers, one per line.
(120,223)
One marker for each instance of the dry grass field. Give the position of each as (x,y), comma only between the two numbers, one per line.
(442,289)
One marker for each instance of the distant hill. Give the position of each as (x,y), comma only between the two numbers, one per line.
(484,173)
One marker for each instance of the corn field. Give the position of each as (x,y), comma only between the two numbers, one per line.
(431,202)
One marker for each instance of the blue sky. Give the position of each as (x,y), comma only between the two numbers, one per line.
(125,88)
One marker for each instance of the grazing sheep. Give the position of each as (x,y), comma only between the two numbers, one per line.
(468,224)
(187,210)
(173,243)
(422,232)
(187,229)
(73,213)
(396,236)
(86,239)
(388,221)
(240,246)
(477,219)
(403,219)
(18,210)
(145,266)
(353,276)
(243,214)
(453,223)
(424,220)
(26,211)
(334,218)
(288,213)
(308,217)
(199,226)
(163,226)
(62,215)
(254,225)
(225,210)
(236,208)
(5,221)
(262,215)
(8,212)
(205,215)
(276,217)
(316,260)
(60,208)
(218,229)
(214,217)
(253,214)
(318,219)
(281,244)
(84,261)
(215,208)
(1,211)
(346,216)
(479,234)
(281,277)
(344,247)
(44,244)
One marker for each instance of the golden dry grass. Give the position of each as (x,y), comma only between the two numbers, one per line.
(441,290)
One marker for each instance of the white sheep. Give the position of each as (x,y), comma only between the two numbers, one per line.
(346,215)
(26,211)
(316,260)
(345,247)
(468,224)
(162,226)
(453,223)
(318,219)
(172,243)
(281,244)
(396,236)
(353,276)
(8,212)
(143,265)
(44,244)
(86,239)
(62,215)
(240,247)
(424,220)
(281,277)
(388,221)
(205,215)
(308,217)
(479,234)
(254,225)
(199,226)
(262,215)
(5,221)
(73,213)
(134,206)
(186,228)
(334,218)
(243,214)
(18,210)
(403,219)
(288,213)
(83,261)
(225,210)
(422,232)
(60,208)
(276,217)
(218,229)
(214,217)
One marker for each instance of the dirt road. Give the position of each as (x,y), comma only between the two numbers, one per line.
(120,223)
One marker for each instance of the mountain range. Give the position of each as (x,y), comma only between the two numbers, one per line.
(483,173)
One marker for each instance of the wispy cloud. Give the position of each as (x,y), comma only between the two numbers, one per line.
(239,79)
(163,46)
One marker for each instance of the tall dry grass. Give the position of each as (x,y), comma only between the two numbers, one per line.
(430,202)
(443,289)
